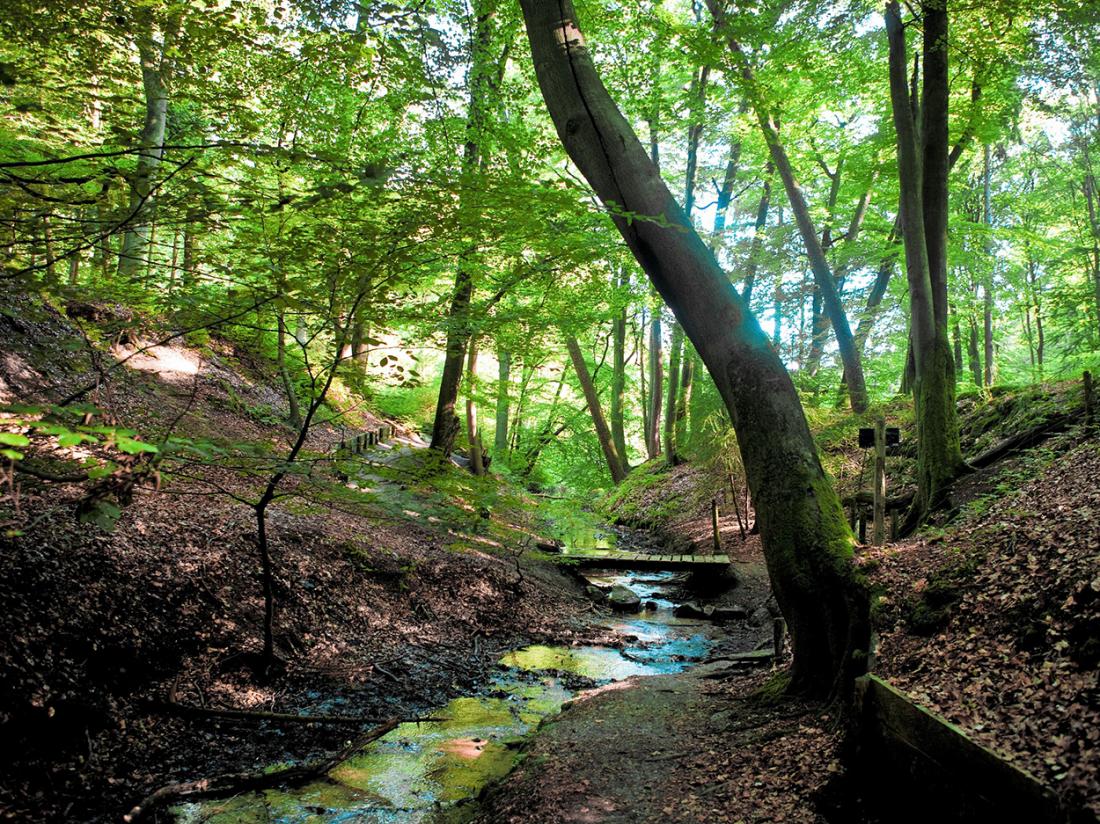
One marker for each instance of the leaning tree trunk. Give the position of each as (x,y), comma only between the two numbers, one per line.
(603,433)
(819,323)
(822,272)
(806,539)
(757,242)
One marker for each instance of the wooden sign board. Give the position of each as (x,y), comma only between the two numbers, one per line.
(867,436)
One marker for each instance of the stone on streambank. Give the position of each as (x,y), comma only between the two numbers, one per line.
(692,609)
(623,599)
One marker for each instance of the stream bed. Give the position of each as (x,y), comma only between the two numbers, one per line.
(434,771)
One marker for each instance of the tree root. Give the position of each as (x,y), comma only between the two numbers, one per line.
(233,783)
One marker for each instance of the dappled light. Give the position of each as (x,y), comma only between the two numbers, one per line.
(529,412)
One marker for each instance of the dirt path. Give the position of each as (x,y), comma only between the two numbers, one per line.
(689,747)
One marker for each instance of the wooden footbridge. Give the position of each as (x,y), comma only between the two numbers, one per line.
(614,559)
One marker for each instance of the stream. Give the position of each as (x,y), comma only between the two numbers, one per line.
(434,771)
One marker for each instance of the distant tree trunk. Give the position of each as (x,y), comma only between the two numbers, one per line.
(956,340)
(526,373)
(676,346)
(819,323)
(156,69)
(757,237)
(473,432)
(446,425)
(500,432)
(823,274)
(974,354)
(603,433)
(1091,198)
(683,405)
(923,182)
(656,381)
(987,286)
(190,257)
(841,272)
(51,260)
(546,434)
(618,383)
(294,414)
(173,266)
(1036,302)
(74,268)
(639,332)
(725,194)
(805,535)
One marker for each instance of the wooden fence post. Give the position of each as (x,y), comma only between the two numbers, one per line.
(879,515)
(714,525)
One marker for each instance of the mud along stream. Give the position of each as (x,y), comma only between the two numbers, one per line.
(434,771)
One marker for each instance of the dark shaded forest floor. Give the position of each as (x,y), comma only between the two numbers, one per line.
(992,620)
(380,613)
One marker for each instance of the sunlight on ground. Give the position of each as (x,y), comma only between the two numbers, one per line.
(166,361)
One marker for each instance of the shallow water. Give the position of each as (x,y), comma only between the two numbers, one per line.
(423,772)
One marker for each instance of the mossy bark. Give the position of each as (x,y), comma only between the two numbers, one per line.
(923,207)
(806,539)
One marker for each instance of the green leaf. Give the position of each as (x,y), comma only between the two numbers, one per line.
(133,447)
(12,439)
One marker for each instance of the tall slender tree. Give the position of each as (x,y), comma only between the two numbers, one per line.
(806,539)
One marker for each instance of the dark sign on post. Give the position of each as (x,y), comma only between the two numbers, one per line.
(867,436)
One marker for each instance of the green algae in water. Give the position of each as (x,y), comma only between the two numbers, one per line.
(597,663)
(413,773)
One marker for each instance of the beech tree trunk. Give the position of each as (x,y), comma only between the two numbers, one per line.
(987,285)
(725,194)
(974,354)
(1091,198)
(923,183)
(618,383)
(473,431)
(757,238)
(446,425)
(156,66)
(504,374)
(805,534)
(683,405)
(676,346)
(656,382)
(822,272)
(603,433)
(819,323)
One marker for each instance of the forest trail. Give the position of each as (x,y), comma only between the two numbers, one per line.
(658,749)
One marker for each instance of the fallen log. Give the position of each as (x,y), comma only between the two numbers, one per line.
(1021,440)
(234,783)
(276,717)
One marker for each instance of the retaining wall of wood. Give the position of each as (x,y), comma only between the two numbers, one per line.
(922,768)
